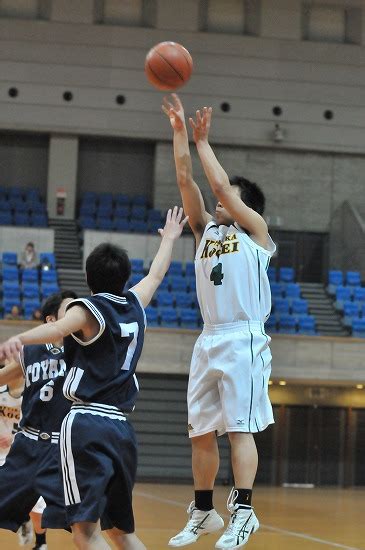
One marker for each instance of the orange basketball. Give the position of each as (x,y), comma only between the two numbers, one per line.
(168,66)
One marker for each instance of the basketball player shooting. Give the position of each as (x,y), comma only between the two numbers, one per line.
(231,361)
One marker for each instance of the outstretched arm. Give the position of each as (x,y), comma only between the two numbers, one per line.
(190,193)
(11,374)
(219,181)
(146,288)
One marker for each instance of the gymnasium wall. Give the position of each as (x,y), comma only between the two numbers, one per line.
(70,61)
(14,239)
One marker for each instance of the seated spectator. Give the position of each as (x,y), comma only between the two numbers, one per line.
(29,259)
(37,315)
(15,314)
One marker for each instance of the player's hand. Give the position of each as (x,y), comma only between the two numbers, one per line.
(174,224)
(10,349)
(175,111)
(201,124)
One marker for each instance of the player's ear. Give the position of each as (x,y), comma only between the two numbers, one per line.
(51,319)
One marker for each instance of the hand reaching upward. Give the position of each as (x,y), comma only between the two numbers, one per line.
(201,124)
(175,111)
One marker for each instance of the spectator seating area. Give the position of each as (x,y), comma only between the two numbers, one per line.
(123,213)
(22,207)
(26,288)
(349,299)
(290,313)
(175,303)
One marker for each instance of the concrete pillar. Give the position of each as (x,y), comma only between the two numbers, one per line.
(62,175)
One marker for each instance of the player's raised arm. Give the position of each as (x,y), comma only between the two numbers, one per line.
(218,179)
(190,193)
(11,374)
(146,288)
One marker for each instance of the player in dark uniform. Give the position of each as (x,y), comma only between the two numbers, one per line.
(31,469)
(103,342)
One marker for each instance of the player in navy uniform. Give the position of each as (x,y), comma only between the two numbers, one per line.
(31,469)
(103,342)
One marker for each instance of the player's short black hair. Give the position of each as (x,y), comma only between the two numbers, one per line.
(251,193)
(53,303)
(107,269)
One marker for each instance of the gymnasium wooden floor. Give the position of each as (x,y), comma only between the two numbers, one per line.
(291,519)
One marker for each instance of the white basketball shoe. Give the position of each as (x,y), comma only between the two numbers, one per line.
(242,524)
(200,523)
(25,533)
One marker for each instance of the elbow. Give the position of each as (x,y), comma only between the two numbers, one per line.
(219,189)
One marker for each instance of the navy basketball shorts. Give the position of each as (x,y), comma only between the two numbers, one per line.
(31,470)
(99,461)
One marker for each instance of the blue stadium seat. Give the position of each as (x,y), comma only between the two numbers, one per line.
(183,299)
(138,226)
(191,282)
(335,279)
(39,208)
(39,220)
(139,200)
(190,269)
(276,290)
(106,224)
(281,306)
(15,192)
(8,303)
(343,294)
(32,194)
(4,205)
(287,324)
(152,316)
(29,275)
(286,274)
(31,290)
(138,212)
(358,328)
(49,276)
(87,222)
(177,283)
(6,218)
(29,305)
(169,317)
(121,224)
(21,218)
(353,278)
(292,291)
(270,325)
(47,258)
(87,209)
(10,258)
(104,211)
(307,325)
(10,272)
(164,298)
(189,318)
(121,211)
(154,225)
(176,268)
(299,307)
(271,273)
(164,285)
(135,279)
(89,196)
(22,207)
(350,310)
(359,294)
(122,199)
(137,265)
(154,215)
(105,198)
(48,289)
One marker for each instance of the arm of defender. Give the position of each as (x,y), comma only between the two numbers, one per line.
(192,198)
(219,181)
(146,288)
(11,374)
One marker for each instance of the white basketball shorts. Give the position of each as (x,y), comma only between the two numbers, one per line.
(228,381)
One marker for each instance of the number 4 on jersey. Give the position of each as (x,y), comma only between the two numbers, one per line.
(217,275)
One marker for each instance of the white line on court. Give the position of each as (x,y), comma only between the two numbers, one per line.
(269,527)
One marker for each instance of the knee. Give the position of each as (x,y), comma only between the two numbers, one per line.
(204,442)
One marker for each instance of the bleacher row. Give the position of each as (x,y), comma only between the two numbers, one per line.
(175,303)
(22,207)
(26,288)
(349,299)
(290,312)
(120,212)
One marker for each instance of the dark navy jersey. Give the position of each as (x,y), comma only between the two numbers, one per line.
(44,405)
(103,369)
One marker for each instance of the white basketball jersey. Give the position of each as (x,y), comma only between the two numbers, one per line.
(231,276)
(9,418)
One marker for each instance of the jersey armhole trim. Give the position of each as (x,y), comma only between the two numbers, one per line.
(21,361)
(140,303)
(256,246)
(98,316)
